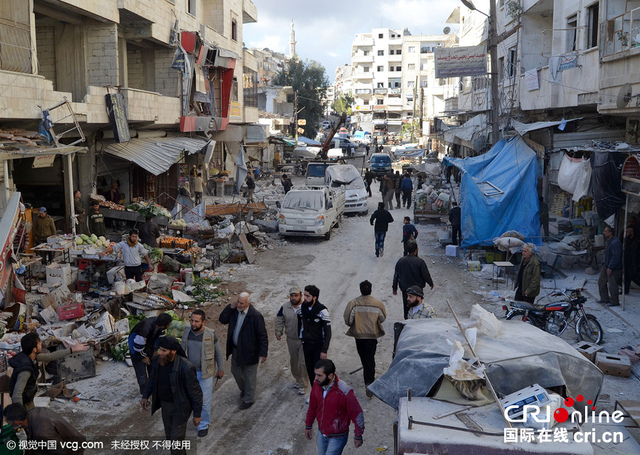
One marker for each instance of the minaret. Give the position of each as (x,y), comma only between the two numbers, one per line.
(292,42)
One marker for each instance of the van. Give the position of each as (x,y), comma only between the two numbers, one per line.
(346,176)
(311,213)
(380,164)
(315,177)
(362,137)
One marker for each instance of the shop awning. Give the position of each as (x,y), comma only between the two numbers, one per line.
(156,155)
(524,128)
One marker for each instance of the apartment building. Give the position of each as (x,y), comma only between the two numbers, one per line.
(168,75)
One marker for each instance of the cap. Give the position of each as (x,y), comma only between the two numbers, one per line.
(42,210)
(415,290)
(295,290)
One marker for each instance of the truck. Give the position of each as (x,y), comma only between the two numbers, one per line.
(311,212)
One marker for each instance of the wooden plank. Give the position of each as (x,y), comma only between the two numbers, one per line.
(632,408)
(248,249)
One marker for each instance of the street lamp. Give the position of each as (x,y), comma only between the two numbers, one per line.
(493,54)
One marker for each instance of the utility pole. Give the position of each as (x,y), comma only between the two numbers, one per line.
(493,54)
(421,109)
(413,117)
(295,117)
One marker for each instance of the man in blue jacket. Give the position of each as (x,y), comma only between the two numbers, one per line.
(611,272)
(382,218)
(407,188)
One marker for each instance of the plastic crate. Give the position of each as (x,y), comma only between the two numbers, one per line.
(71,311)
(83,286)
(83,264)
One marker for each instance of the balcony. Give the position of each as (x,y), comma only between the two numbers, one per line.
(362,91)
(379,91)
(359,58)
(621,35)
(144,106)
(363,41)
(363,75)
(394,58)
(392,102)
(249,12)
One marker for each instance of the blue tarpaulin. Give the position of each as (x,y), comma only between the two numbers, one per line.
(499,193)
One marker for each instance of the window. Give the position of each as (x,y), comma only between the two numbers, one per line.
(379,102)
(234,30)
(380,68)
(592,26)
(424,83)
(411,66)
(411,84)
(513,61)
(380,85)
(365,102)
(191,7)
(365,69)
(380,35)
(380,53)
(391,52)
(398,68)
(572,29)
(392,68)
(501,68)
(412,49)
(365,53)
(424,49)
(398,51)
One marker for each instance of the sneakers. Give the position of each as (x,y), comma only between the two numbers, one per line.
(302,391)
(369,393)
(244,406)
(203,433)
(381,252)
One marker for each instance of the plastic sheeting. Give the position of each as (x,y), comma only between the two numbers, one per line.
(499,193)
(343,174)
(522,355)
(574,176)
(607,190)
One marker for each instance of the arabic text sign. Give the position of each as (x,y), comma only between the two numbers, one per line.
(43,161)
(461,61)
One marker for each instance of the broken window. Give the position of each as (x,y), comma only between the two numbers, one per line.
(489,189)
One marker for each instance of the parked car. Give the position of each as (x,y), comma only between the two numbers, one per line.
(380,164)
(341,142)
(346,176)
(326,125)
(311,213)
(362,137)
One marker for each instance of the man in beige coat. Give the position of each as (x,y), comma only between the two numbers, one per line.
(288,322)
(364,315)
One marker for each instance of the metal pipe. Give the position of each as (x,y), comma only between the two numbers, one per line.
(7,189)
(71,191)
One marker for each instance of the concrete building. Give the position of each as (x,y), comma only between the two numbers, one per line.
(173,70)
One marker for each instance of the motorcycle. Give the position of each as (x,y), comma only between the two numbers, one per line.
(555,317)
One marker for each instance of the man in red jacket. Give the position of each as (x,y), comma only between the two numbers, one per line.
(334,405)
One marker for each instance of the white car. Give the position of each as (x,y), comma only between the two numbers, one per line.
(347,176)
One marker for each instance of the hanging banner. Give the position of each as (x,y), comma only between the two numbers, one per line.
(460,61)
(43,161)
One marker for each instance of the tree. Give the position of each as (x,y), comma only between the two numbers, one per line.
(343,104)
(309,83)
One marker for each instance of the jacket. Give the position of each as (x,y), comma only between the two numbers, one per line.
(44,425)
(211,355)
(185,388)
(411,270)
(198,184)
(96,223)
(530,277)
(149,232)
(407,184)
(389,183)
(364,315)
(397,182)
(383,218)
(44,227)
(22,362)
(407,230)
(335,411)
(455,216)
(287,184)
(288,322)
(316,325)
(613,254)
(253,341)
(144,337)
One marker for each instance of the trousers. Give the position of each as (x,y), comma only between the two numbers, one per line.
(406,198)
(296,357)
(367,352)
(311,356)
(456,234)
(331,446)
(175,429)
(388,200)
(380,236)
(608,285)
(142,372)
(207,393)
(246,377)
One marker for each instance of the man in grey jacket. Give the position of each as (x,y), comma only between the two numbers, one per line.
(289,322)
(201,345)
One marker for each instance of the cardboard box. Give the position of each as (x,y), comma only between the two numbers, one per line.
(59,273)
(613,365)
(71,311)
(452,250)
(56,297)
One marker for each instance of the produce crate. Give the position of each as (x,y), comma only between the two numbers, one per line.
(83,264)
(71,311)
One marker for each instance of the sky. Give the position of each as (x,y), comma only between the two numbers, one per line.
(325,29)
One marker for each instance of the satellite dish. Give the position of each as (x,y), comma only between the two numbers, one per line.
(624,96)
(446,30)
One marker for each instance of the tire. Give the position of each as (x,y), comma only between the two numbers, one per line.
(589,329)
(338,221)
(518,316)
(327,236)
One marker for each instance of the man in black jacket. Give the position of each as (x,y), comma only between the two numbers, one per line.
(316,329)
(410,271)
(247,343)
(142,344)
(149,232)
(368,178)
(382,218)
(174,387)
(455,218)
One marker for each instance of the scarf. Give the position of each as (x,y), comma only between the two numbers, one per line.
(130,243)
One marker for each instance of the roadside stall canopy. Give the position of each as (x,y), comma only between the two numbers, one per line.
(498,193)
(470,133)
(156,155)
(520,356)
(307,141)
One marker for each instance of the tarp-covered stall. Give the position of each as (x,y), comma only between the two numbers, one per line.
(499,193)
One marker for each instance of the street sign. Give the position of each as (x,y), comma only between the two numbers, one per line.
(300,130)
(302,122)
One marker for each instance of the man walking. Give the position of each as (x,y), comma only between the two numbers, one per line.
(131,251)
(368,178)
(142,345)
(288,321)
(287,184)
(389,191)
(410,271)
(174,387)
(455,218)
(611,272)
(397,187)
(409,233)
(202,349)
(198,187)
(334,406)
(407,189)
(251,186)
(96,220)
(316,329)
(364,315)
(418,309)
(528,282)
(247,344)
(382,219)
(78,209)
(44,426)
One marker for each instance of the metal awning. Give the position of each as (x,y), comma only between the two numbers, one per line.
(23,151)
(156,155)
(524,128)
